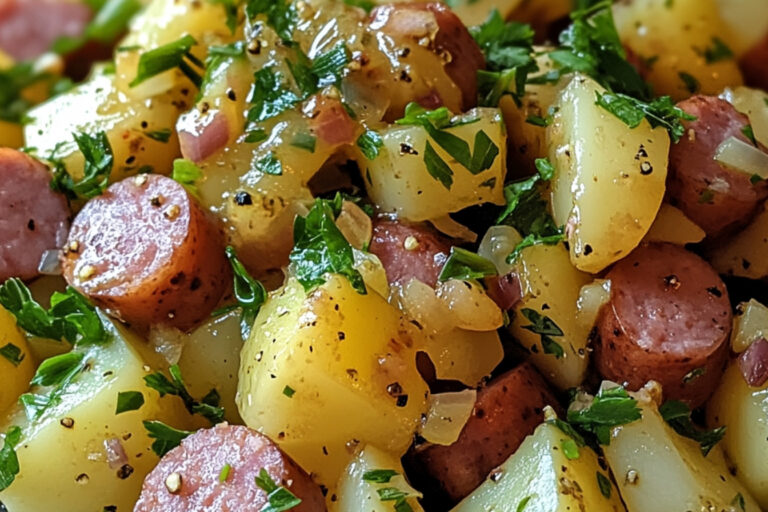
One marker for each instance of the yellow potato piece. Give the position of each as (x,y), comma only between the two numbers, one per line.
(14,376)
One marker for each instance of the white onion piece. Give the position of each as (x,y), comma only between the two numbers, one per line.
(751,324)
(167,341)
(50,264)
(453,229)
(496,245)
(373,272)
(743,157)
(592,297)
(355,225)
(448,413)
(116,456)
(471,308)
(420,303)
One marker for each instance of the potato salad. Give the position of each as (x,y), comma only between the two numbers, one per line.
(383,255)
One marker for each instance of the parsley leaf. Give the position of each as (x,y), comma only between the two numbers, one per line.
(691,84)
(370,143)
(166,438)
(70,317)
(208,406)
(466,265)
(545,327)
(678,415)
(436,166)
(328,67)
(249,293)
(13,82)
(305,141)
(279,499)
(162,135)
(609,408)
(186,173)
(659,112)
(269,165)
(716,52)
(605,485)
(128,401)
(270,96)
(280,15)
(110,21)
(749,134)
(176,54)
(56,372)
(219,57)
(320,248)
(98,166)
(12,353)
(379,476)
(9,462)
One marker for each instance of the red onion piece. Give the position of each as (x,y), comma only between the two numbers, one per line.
(116,456)
(504,290)
(200,137)
(753,363)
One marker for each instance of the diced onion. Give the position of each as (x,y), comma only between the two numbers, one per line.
(743,157)
(419,302)
(116,456)
(496,245)
(471,308)
(592,297)
(50,264)
(355,225)
(453,229)
(448,413)
(167,341)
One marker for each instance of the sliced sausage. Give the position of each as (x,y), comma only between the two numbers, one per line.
(28,28)
(507,410)
(668,320)
(413,26)
(33,218)
(146,250)
(409,251)
(753,65)
(189,477)
(716,198)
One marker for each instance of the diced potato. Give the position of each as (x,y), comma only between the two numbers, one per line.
(63,463)
(551,287)
(465,356)
(592,297)
(447,416)
(398,180)
(671,225)
(96,105)
(749,325)
(673,38)
(16,372)
(11,135)
(607,200)
(539,477)
(210,359)
(746,253)
(746,22)
(317,378)
(358,495)
(656,469)
(754,104)
(743,410)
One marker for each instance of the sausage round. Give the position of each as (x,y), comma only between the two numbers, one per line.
(409,25)
(668,320)
(409,251)
(507,410)
(146,250)
(714,197)
(189,477)
(753,65)
(33,218)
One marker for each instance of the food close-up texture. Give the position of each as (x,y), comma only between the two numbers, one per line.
(383,256)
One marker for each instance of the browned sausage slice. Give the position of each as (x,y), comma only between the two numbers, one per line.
(668,320)
(33,218)
(189,477)
(409,251)
(507,410)
(147,250)
(714,197)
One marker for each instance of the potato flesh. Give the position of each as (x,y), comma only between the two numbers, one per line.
(754,104)
(540,470)
(676,35)
(656,469)
(14,379)
(53,458)
(607,200)
(746,253)
(671,225)
(746,22)
(398,180)
(345,389)
(749,325)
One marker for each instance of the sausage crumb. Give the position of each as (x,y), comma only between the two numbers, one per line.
(173,483)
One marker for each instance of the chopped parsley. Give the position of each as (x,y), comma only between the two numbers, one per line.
(570,448)
(279,499)
(270,95)
(716,52)
(162,135)
(13,81)
(166,438)
(249,293)
(691,84)
(186,173)
(9,462)
(56,373)
(678,415)
(98,166)
(659,112)
(749,134)
(230,11)
(280,15)
(219,57)
(107,25)
(269,165)
(176,54)
(12,353)
(305,141)
(366,5)
(320,248)
(380,476)
(609,408)
(523,503)
(370,143)
(289,391)
(546,328)
(539,121)
(466,265)
(208,406)
(129,401)
(738,501)
(604,484)
(224,473)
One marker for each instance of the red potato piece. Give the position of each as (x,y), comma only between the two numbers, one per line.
(507,410)
(668,320)
(147,251)
(714,197)
(199,462)
(409,251)
(28,28)
(409,23)
(331,123)
(754,65)
(202,135)
(33,218)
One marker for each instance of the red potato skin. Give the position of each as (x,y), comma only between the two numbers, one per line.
(331,123)
(423,263)
(28,28)
(754,65)
(199,461)
(147,251)
(668,320)
(33,218)
(732,199)
(507,410)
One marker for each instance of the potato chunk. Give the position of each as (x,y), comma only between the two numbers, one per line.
(17,365)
